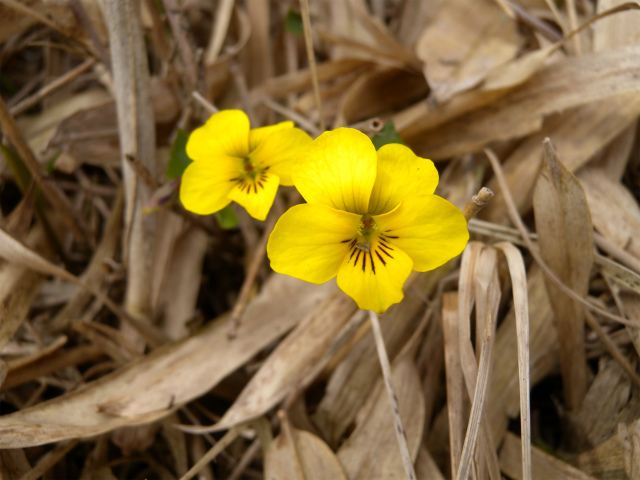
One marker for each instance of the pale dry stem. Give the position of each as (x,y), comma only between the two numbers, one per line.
(386,374)
(308,40)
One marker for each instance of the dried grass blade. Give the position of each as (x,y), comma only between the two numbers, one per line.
(456,392)
(137,143)
(521,308)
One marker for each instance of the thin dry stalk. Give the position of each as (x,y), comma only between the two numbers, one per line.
(49,460)
(20,6)
(184,48)
(386,373)
(611,347)
(219,32)
(308,40)
(49,189)
(292,115)
(573,23)
(83,18)
(514,216)
(250,278)
(223,443)
(27,103)
(208,106)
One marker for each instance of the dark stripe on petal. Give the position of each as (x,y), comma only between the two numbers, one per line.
(373,265)
(384,248)
(345,241)
(357,256)
(389,236)
(386,253)
(364,262)
(261,185)
(352,253)
(255,188)
(381,259)
(385,244)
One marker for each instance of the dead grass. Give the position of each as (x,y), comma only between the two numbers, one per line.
(159,345)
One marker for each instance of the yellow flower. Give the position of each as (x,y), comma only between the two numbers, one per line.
(370,218)
(233,163)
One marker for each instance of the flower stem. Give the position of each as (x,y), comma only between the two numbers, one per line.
(477,203)
(386,374)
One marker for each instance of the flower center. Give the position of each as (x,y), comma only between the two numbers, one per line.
(251,170)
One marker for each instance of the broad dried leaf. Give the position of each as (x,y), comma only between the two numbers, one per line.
(299,455)
(148,389)
(544,465)
(353,378)
(553,88)
(290,363)
(371,452)
(615,212)
(565,237)
(465,41)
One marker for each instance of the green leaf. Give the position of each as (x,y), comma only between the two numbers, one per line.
(18,168)
(227,218)
(293,23)
(178,161)
(387,135)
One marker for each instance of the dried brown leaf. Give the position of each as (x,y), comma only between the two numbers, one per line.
(371,452)
(553,88)
(148,389)
(465,41)
(565,237)
(290,363)
(299,455)
(544,465)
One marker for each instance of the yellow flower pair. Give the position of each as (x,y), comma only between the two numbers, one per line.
(370,217)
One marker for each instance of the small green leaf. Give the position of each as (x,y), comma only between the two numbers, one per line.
(18,168)
(50,167)
(387,135)
(178,161)
(293,23)
(227,218)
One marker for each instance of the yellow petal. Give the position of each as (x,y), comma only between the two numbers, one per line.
(310,242)
(428,228)
(278,150)
(374,278)
(205,185)
(256,196)
(338,170)
(225,133)
(257,135)
(401,174)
